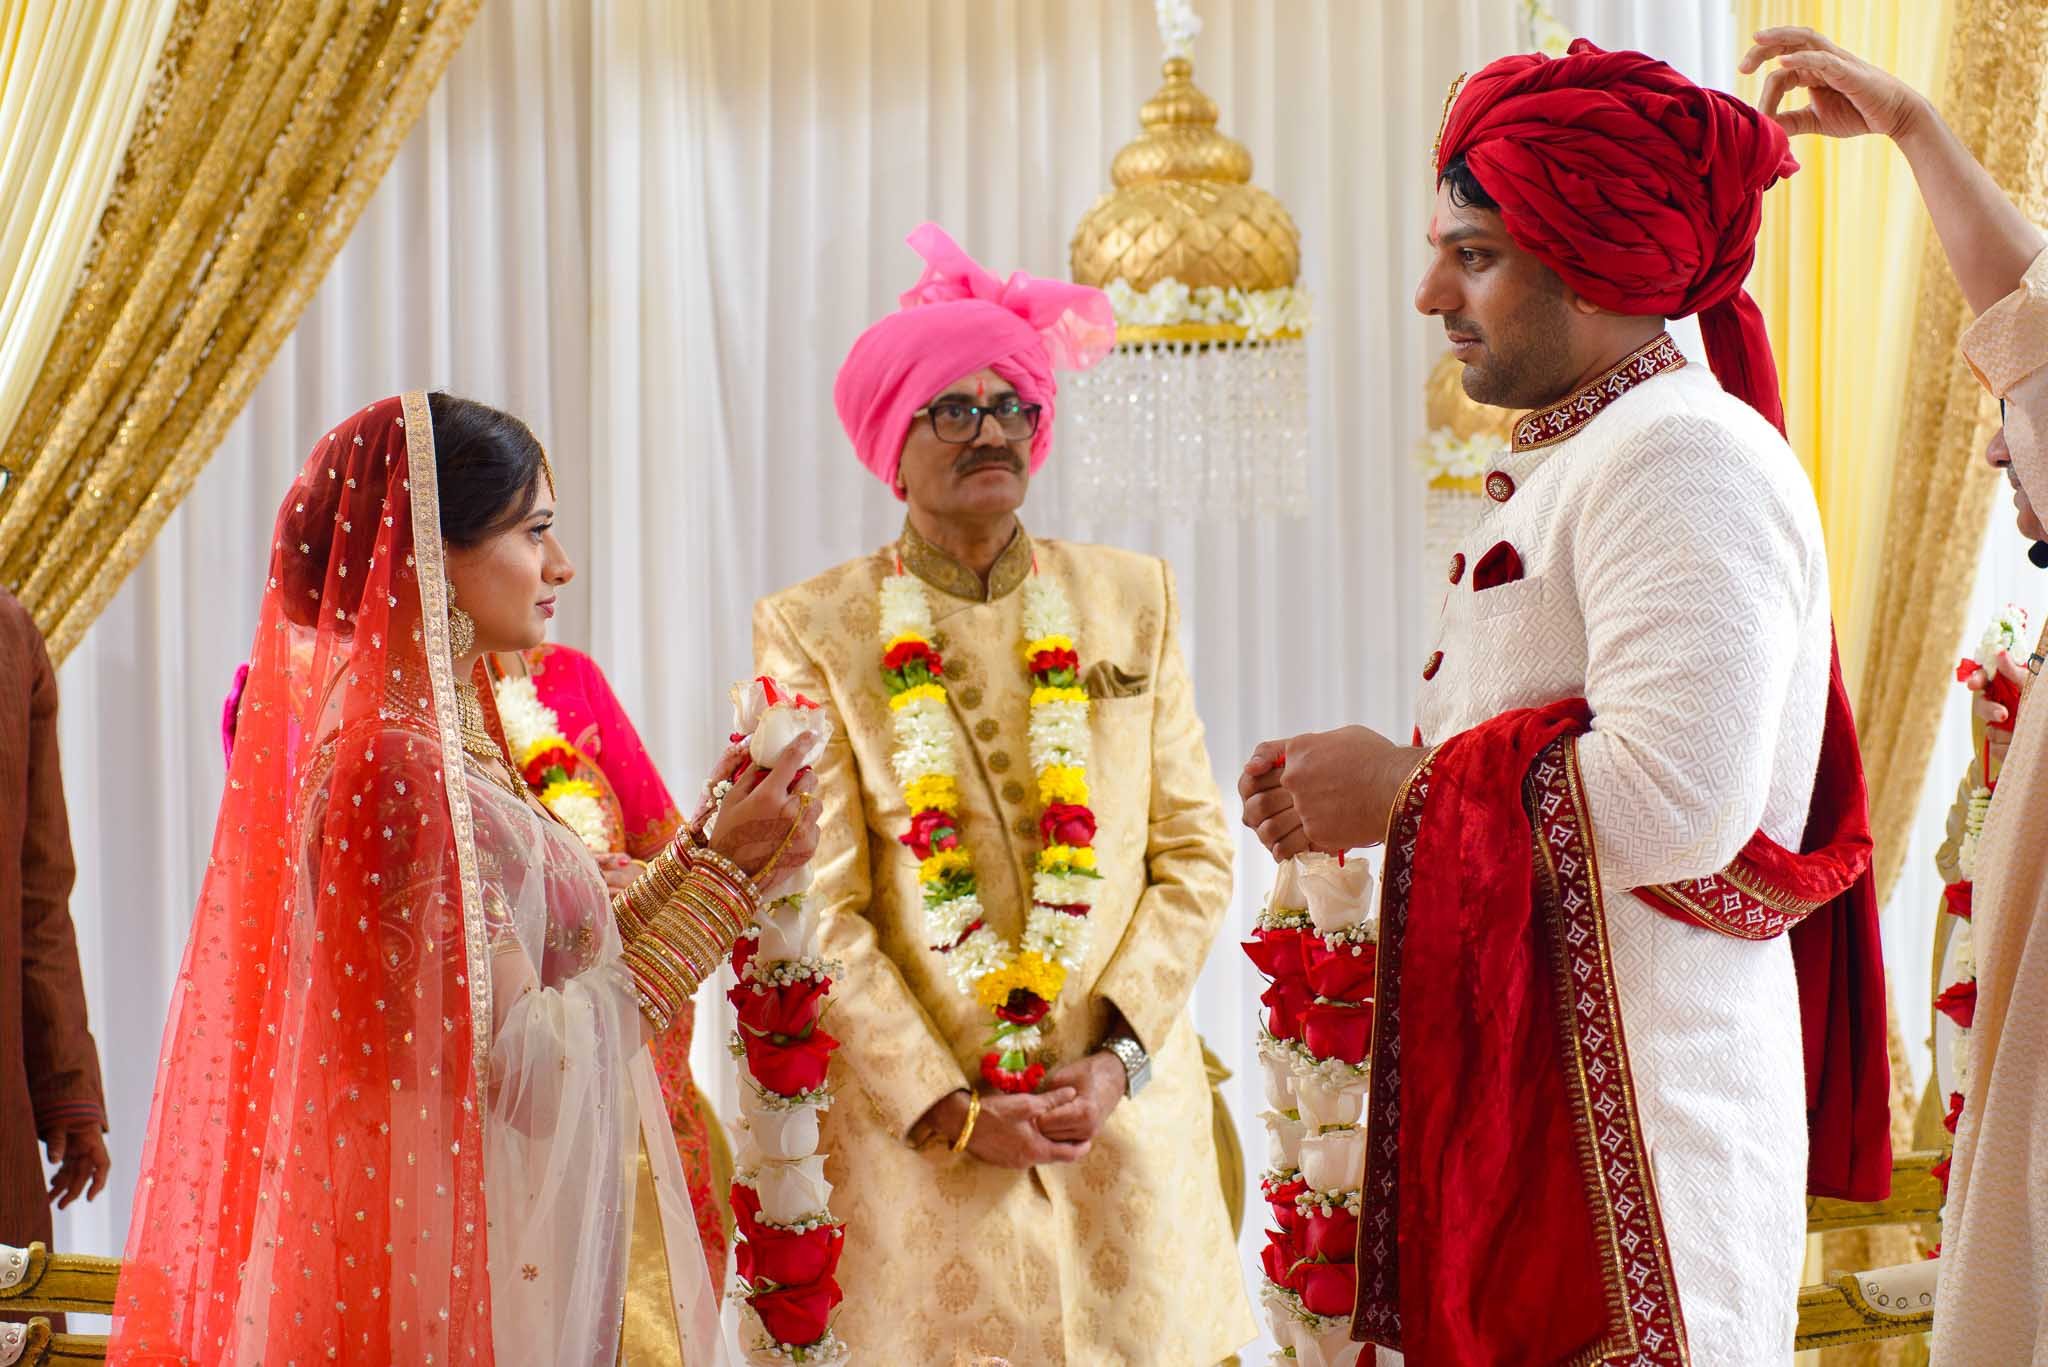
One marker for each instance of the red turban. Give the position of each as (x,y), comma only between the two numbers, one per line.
(1640,189)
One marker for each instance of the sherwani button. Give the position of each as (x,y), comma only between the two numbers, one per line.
(999,762)
(1436,662)
(1013,791)
(1500,486)
(986,728)
(970,697)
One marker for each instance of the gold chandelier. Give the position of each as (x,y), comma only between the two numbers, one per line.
(1203,408)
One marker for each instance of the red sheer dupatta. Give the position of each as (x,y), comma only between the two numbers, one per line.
(312,1184)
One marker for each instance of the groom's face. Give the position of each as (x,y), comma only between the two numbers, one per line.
(1504,312)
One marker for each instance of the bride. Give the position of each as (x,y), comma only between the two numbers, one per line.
(404,1111)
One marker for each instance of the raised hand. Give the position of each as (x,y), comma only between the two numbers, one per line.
(1330,791)
(768,824)
(1849,96)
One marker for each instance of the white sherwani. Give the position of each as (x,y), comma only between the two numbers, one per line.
(1674,577)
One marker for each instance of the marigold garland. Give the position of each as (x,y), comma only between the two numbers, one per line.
(553,768)
(1018,985)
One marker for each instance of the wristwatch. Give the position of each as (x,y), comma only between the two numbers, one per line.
(1137,1065)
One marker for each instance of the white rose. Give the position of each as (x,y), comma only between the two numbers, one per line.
(1331,1348)
(1284,1138)
(1339,894)
(786,1134)
(792,1190)
(1323,1106)
(789,930)
(1287,887)
(782,726)
(1280,1081)
(1280,1320)
(749,704)
(1335,1161)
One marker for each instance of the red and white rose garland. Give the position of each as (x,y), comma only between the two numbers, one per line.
(1018,985)
(1316,943)
(787,1243)
(553,768)
(1957,1000)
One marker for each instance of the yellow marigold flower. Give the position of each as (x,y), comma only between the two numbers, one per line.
(943,865)
(910,695)
(903,638)
(1063,783)
(1055,857)
(570,787)
(1045,643)
(1041,696)
(1027,971)
(933,792)
(541,747)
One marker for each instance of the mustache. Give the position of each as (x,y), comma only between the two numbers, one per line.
(980,457)
(1464,327)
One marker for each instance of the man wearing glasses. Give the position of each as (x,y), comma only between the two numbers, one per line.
(1025,862)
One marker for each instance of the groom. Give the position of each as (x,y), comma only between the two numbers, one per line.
(1025,862)
(1635,772)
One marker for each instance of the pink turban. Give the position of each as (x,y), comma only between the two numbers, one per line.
(955,320)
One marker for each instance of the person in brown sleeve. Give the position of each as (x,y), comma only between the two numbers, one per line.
(49,1068)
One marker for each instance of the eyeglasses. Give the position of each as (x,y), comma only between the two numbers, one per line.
(958,422)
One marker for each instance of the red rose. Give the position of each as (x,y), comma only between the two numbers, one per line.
(1066,823)
(787,1069)
(743,954)
(787,1258)
(1276,953)
(1023,1007)
(556,756)
(931,830)
(790,1010)
(1285,1000)
(1332,1031)
(1287,1216)
(1046,661)
(1333,1236)
(1939,1172)
(1328,1288)
(1967,669)
(1280,1264)
(1342,972)
(1959,898)
(1002,1079)
(798,1314)
(1278,1192)
(1958,1001)
(901,654)
(746,1208)
(1955,1112)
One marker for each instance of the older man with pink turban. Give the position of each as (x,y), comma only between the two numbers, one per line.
(1025,864)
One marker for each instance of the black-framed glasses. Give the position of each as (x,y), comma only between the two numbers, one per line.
(958,422)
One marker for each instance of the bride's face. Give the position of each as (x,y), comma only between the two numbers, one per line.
(507,582)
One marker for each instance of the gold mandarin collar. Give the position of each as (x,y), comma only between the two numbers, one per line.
(947,575)
(1567,416)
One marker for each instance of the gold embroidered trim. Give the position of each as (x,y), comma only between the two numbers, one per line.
(430,574)
(948,575)
(1547,426)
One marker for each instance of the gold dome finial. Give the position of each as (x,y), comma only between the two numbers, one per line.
(1183,207)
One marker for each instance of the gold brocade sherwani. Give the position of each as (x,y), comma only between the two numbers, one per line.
(1126,1257)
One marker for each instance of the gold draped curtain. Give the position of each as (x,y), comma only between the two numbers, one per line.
(268,125)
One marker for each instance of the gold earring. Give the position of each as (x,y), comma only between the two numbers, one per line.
(461,627)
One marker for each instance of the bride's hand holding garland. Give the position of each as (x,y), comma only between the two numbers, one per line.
(768,822)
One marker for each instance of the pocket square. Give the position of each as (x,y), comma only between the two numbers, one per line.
(1105,680)
(1501,565)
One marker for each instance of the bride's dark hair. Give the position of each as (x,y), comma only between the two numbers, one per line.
(487,466)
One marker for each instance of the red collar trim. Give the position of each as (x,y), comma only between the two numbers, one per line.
(1565,418)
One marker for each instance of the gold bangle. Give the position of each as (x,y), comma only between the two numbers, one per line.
(967,1130)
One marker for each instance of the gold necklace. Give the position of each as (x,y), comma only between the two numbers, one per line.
(480,745)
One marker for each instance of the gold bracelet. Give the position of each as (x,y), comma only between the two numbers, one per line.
(973,1114)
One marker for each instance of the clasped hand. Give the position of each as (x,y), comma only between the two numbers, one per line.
(1327,791)
(1024,1130)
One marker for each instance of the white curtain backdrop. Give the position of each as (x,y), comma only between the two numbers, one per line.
(652,229)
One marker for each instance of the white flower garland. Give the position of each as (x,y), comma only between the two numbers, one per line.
(531,727)
(1262,314)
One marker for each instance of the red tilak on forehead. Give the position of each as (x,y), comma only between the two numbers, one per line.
(980,390)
